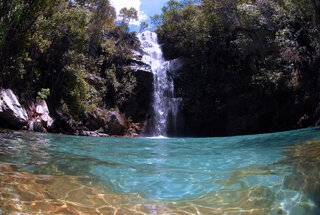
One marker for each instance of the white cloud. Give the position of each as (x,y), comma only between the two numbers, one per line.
(119,4)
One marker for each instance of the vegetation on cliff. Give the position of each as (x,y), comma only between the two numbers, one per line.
(74,54)
(253,64)
(249,66)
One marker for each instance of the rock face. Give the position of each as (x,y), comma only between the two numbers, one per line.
(110,122)
(100,122)
(139,106)
(62,123)
(39,117)
(12,114)
(116,123)
(97,120)
(42,112)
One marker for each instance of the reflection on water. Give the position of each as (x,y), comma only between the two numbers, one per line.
(260,174)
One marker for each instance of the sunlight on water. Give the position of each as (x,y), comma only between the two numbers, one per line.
(274,173)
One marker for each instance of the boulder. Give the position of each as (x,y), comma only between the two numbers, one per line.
(40,119)
(12,114)
(117,125)
(97,120)
(36,125)
(63,123)
(42,113)
(103,120)
(92,133)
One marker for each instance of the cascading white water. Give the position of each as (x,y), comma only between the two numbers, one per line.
(163,101)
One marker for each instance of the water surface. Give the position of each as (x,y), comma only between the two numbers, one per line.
(227,175)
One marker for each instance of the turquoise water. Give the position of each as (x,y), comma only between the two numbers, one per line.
(173,169)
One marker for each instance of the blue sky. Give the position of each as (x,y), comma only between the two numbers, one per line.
(146,8)
(152,7)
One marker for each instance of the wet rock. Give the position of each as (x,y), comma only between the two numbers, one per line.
(103,135)
(88,133)
(134,130)
(36,125)
(12,114)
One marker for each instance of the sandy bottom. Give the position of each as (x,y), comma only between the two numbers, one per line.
(25,193)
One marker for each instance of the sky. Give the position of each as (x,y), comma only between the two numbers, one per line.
(145,8)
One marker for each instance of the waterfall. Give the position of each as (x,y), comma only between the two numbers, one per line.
(164,102)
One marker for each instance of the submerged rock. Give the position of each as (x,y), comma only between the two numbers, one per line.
(12,114)
(305,160)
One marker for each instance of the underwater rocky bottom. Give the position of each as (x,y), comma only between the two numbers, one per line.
(272,178)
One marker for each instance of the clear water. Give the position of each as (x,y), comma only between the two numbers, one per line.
(168,169)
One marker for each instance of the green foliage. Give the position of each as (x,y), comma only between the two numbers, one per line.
(156,20)
(76,88)
(266,50)
(17,20)
(143,26)
(115,67)
(102,20)
(70,53)
(43,94)
(128,15)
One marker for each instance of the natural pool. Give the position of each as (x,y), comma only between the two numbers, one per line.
(258,174)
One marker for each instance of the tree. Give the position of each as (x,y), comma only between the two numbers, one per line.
(70,48)
(156,20)
(264,50)
(143,26)
(102,20)
(17,24)
(128,15)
